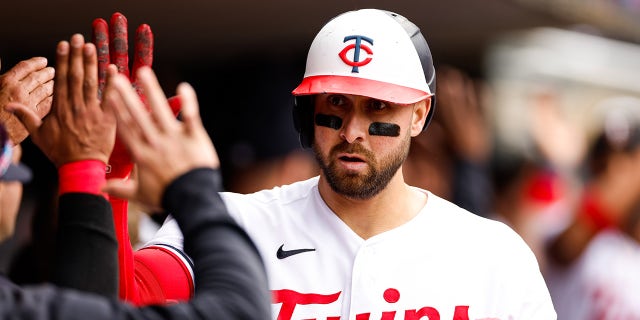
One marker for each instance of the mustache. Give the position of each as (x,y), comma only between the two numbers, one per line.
(356,148)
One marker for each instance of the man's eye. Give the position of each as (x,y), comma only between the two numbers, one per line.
(336,100)
(377,105)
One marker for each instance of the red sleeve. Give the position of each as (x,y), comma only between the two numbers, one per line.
(149,275)
(128,289)
(85,176)
(161,276)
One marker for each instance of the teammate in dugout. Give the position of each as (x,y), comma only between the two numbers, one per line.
(78,137)
(357,242)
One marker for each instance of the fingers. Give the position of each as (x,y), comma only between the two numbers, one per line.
(107,109)
(32,81)
(90,87)
(111,71)
(101,40)
(119,45)
(112,102)
(80,64)
(119,188)
(134,127)
(43,108)
(42,97)
(157,101)
(193,127)
(26,67)
(60,89)
(143,52)
(190,110)
(143,55)
(76,72)
(29,119)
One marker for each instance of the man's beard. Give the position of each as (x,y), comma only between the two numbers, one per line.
(362,186)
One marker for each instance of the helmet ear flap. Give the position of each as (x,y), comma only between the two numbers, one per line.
(303,119)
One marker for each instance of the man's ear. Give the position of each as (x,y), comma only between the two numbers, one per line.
(420,112)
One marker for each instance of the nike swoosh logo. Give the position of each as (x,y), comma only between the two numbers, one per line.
(282,254)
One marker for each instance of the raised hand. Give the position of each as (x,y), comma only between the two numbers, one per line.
(461,115)
(162,147)
(111,41)
(30,83)
(77,128)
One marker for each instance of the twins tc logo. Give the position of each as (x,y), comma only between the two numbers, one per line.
(355,63)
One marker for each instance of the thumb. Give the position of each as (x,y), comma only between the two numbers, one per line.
(119,188)
(25,115)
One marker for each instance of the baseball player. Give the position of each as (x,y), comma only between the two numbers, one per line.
(357,242)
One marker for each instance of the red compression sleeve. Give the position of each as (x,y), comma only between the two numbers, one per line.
(161,276)
(150,275)
(128,289)
(85,176)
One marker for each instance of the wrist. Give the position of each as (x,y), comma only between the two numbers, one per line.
(84,176)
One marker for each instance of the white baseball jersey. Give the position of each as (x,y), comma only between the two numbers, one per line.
(604,283)
(445,263)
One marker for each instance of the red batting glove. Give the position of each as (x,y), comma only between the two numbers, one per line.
(113,48)
(112,44)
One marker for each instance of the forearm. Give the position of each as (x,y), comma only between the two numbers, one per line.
(231,281)
(86,249)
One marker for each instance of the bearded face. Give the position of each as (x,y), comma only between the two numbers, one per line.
(360,184)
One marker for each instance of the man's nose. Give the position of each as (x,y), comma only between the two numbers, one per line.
(354,128)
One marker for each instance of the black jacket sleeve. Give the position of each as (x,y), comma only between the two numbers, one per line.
(230,277)
(86,255)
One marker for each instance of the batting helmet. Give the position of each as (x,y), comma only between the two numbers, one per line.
(368,52)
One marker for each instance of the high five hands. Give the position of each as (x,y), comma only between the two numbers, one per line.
(112,45)
(77,128)
(111,41)
(162,147)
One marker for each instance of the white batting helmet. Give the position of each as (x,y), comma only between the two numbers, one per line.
(368,52)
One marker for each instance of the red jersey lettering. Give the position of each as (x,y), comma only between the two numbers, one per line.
(290,299)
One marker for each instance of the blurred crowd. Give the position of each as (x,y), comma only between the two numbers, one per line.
(574,196)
